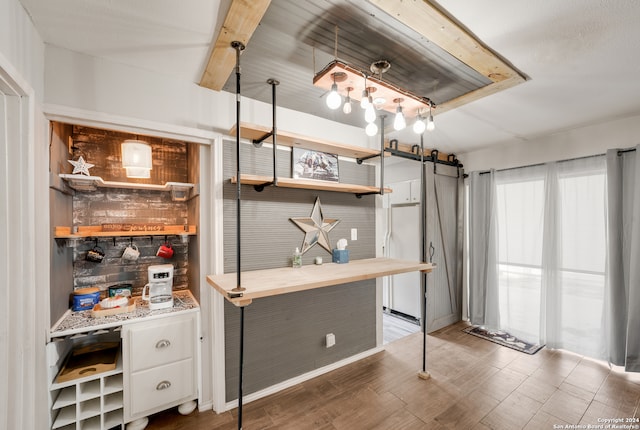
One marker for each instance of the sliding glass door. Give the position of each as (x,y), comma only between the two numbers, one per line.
(550,253)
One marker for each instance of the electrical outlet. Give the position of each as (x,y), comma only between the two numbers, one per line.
(330,340)
(354,234)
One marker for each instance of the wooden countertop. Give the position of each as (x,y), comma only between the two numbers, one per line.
(272,282)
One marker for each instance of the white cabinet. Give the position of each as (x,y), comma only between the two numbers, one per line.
(405,192)
(156,367)
(159,366)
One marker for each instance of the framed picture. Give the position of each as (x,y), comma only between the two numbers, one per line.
(308,164)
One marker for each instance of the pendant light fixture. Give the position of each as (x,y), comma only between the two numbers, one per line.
(370,112)
(375,94)
(399,121)
(430,124)
(136,158)
(333,98)
(347,102)
(371,129)
(364,100)
(419,126)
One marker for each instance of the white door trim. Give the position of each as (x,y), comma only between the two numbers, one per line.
(109,121)
(25,270)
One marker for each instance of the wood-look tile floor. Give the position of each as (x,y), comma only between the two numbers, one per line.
(475,384)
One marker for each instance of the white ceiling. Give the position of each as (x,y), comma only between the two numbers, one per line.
(582,57)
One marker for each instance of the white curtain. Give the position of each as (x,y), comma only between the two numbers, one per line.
(549,253)
(520,204)
(623,258)
(483,291)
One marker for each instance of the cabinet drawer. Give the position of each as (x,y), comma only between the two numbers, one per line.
(162,387)
(160,342)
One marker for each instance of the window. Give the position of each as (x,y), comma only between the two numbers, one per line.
(551,253)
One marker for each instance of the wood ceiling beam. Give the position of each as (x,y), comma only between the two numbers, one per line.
(241,21)
(427,20)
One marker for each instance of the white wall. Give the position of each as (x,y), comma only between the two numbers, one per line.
(21,45)
(579,142)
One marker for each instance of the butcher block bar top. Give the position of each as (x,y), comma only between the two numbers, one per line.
(272,282)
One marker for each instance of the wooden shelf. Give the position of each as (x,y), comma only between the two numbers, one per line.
(251,131)
(179,190)
(272,282)
(64,232)
(309,184)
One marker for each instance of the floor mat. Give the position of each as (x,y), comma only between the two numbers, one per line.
(503,338)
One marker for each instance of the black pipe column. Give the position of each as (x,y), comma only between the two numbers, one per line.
(274,130)
(239,47)
(423,256)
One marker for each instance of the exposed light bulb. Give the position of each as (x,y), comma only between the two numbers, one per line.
(364,101)
(370,113)
(347,105)
(399,122)
(430,124)
(419,126)
(333,98)
(371,129)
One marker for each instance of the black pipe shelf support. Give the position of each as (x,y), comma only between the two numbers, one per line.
(260,187)
(258,142)
(370,193)
(368,157)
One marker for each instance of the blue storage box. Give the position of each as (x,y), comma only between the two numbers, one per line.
(340,256)
(84,302)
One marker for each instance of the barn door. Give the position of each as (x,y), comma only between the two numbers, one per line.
(443,187)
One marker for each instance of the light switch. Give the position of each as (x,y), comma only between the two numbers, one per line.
(354,234)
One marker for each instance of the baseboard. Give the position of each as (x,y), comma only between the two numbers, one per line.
(302,378)
(202,407)
(402,315)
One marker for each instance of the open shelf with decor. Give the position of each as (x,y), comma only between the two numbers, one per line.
(309,184)
(94,231)
(258,134)
(179,191)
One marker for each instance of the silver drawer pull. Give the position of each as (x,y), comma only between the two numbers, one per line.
(163,385)
(163,344)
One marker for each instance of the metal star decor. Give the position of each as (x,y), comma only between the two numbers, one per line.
(81,166)
(316,228)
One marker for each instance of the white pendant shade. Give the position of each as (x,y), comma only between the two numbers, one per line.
(136,158)
(138,172)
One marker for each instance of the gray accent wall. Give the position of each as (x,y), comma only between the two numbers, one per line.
(285,335)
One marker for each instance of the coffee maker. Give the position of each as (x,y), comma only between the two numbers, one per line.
(160,287)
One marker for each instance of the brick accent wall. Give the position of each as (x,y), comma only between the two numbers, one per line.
(111,205)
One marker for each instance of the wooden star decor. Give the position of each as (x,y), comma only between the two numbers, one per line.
(80,166)
(316,228)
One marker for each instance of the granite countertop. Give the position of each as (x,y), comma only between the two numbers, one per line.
(82,321)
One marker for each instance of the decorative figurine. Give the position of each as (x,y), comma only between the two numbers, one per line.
(81,167)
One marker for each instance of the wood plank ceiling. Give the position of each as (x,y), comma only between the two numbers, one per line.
(431,54)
